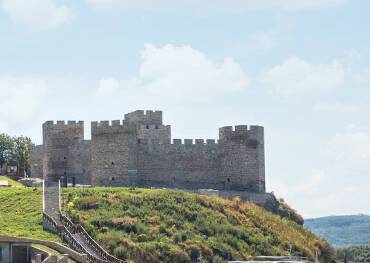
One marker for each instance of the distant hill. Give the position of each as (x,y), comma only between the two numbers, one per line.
(342,231)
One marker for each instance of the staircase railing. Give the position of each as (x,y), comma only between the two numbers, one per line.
(68,237)
(68,229)
(50,222)
(67,223)
(103,253)
(88,239)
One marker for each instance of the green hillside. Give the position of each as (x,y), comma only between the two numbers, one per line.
(342,231)
(21,213)
(11,182)
(174,226)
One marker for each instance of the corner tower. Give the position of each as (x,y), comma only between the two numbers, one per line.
(58,138)
(243,158)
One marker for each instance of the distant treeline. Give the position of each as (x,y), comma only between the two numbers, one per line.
(354,254)
(15,151)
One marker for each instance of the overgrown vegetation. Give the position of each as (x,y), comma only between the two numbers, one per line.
(175,226)
(21,213)
(285,211)
(354,254)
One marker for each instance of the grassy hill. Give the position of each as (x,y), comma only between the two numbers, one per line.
(11,182)
(342,231)
(161,225)
(21,213)
(174,226)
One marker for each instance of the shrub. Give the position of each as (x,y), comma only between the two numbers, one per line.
(218,259)
(194,252)
(120,252)
(177,255)
(88,202)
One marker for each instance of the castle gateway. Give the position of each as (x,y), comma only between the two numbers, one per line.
(138,152)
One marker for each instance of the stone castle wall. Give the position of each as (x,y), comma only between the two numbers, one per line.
(111,153)
(36,161)
(138,152)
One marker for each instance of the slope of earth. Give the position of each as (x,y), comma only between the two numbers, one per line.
(342,231)
(11,182)
(175,226)
(21,213)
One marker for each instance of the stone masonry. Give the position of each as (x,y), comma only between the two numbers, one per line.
(138,152)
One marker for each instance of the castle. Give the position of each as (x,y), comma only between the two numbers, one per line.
(138,151)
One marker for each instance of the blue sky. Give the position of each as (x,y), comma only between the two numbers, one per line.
(298,67)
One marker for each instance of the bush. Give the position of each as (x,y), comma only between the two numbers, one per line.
(194,252)
(177,255)
(86,203)
(120,252)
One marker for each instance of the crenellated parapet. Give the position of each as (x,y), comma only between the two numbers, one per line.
(113,127)
(242,134)
(145,117)
(180,142)
(70,130)
(194,142)
(63,124)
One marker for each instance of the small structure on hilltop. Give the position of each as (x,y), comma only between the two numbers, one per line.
(138,152)
(4,183)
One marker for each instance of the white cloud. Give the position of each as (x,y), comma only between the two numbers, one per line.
(339,108)
(352,146)
(21,100)
(178,73)
(215,6)
(296,76)
(39,14)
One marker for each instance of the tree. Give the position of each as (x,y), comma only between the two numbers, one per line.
(22,151)
(6,149)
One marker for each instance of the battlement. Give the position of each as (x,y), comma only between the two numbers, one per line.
(63,124)
(110,127)
(245,132)
(145,117)
(196,142)
(71,130)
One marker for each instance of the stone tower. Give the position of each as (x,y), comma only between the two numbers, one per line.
(58,140)
(242,158)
